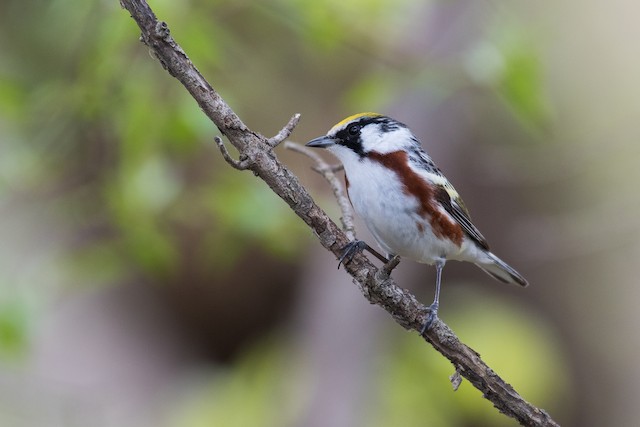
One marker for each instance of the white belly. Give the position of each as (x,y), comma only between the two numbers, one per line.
(392,216)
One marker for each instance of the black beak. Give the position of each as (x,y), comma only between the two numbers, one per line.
(321,142)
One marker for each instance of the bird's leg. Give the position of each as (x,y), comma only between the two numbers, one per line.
(358,246)
(388,266)
(433,308)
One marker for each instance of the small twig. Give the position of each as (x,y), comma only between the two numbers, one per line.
(328,172)
(332,168)
(456,380)
(285,131)
(241,164)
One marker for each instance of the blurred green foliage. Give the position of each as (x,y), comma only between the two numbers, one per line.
(522,88)
(410,381)
(120,159)
(508,63)
(254,391)
(13,331)
(507,338)
(127,146)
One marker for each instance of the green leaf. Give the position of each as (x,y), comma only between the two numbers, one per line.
(522,86)
(13,331)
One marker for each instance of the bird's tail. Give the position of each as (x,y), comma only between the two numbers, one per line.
(501,271)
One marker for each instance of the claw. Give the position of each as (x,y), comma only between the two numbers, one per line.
(433,315)
(350,250)
(358,246)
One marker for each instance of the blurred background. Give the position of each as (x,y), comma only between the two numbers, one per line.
(143,282)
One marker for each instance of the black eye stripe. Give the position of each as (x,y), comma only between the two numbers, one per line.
(350,136)
(351,140)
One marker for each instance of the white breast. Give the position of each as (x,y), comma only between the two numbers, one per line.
(379,198)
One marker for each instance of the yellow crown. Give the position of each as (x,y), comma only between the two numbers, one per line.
(353,117)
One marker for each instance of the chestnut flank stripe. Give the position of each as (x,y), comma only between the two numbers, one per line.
(414,185)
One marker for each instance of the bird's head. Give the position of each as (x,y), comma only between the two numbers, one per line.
(356,136)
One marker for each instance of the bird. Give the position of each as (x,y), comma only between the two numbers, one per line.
(406,202)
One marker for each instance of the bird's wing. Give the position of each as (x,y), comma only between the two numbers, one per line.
(448,197)
(453,204)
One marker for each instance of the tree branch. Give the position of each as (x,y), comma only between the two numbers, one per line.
(256,154)
(286,131)
(241,164)
(328,172)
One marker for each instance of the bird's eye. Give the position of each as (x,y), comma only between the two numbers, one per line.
(354,129)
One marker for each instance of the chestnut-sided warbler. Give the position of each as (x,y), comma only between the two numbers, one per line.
(405,201)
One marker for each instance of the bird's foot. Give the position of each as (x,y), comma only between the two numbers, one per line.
(433,315)
(349,251)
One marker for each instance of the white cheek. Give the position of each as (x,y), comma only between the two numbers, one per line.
(386,142)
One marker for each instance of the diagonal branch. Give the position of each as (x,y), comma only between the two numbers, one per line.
(376,285)
(328,172)
(286,131)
